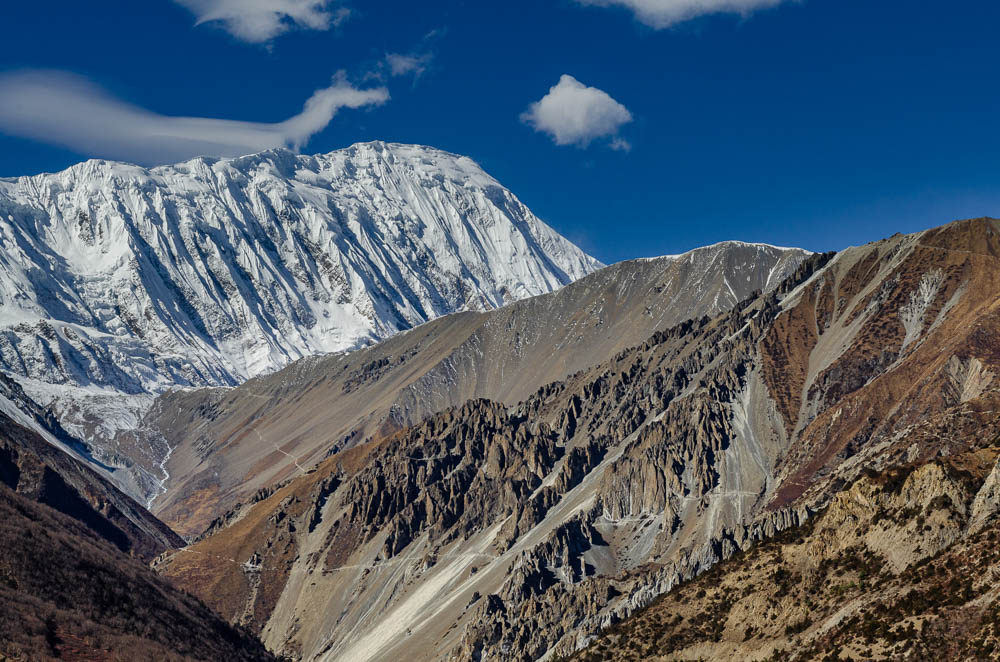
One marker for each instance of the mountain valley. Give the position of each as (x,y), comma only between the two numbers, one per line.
(228,443)
(575,507)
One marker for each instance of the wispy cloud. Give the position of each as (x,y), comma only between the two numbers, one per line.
(67,110)
(574,114)
(412,63)
(664,13)
(260,21)
(620,145)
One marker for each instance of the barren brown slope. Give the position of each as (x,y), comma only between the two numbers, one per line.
(497,532)
(903,565)
(918,338)
(68,594)
(74,579)
(229,443)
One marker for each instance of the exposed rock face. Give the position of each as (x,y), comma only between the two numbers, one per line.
(968,379)
(891,570)
(869,386)
(986,505)
(229,443)
(119,282)
(498,531)
(485,499)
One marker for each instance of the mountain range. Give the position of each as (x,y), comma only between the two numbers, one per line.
(498,531)
(228,443)
(366,407)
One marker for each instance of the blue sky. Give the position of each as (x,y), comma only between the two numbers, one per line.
(817,123)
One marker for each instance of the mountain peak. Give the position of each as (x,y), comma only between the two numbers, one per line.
(119,280)
(972,235)
(729,245)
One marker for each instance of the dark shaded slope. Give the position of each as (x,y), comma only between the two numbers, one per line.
(68,594)
(32,467)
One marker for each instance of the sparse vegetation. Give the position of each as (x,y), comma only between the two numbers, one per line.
(799,597)
(67,594)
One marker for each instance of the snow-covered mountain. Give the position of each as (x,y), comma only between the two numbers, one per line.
(118,282)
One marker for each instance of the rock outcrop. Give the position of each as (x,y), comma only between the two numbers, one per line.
(897,567)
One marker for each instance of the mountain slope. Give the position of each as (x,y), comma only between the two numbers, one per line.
(496,532)
(902,565)
(74,579)
(68,594)
(229,443)
(118,282)
(398,543)
(35,469)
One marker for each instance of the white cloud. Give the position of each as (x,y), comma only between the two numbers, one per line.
(621,145)
(67,110)
(401,65)
(259,21)
(574,114)
(415,63)
(664,13)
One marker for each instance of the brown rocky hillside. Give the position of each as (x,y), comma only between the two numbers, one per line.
(73,582)
(904,564)
(34,468)
(500,531)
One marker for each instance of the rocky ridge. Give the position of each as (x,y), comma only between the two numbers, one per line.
(603,490)
(480,500)
(228,443)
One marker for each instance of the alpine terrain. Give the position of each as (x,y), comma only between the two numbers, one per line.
(118,283)
(369,408)
(261,401)
(229,443)
(852,404)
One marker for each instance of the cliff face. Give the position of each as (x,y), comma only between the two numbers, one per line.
(901,565)
(494,531)
(227,443)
